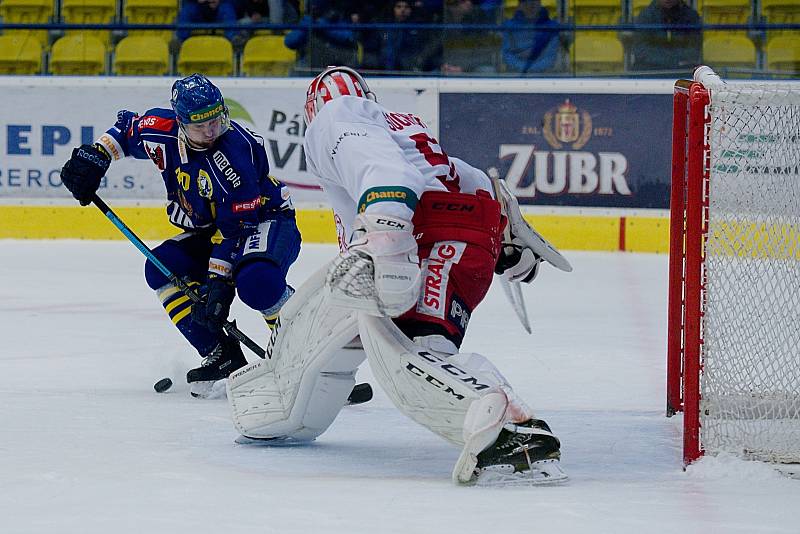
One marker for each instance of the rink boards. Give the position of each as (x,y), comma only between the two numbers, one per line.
(589,171)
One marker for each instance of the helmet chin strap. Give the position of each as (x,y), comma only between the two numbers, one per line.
(187,140)
(183,136)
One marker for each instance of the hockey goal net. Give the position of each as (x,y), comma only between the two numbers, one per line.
(733,364)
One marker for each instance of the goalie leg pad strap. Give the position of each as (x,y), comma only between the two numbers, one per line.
(299,391)
(482,424)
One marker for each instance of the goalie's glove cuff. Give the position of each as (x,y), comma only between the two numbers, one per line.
(517,262)
(379,272)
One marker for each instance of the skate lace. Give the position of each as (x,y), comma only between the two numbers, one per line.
(519,436)
(516,441)
(212,358)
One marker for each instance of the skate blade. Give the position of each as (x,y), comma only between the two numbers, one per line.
(280,441)
(542,473)
(209,389)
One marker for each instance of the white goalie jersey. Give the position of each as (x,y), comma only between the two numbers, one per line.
(365,155)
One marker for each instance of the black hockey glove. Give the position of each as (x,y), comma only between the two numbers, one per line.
(83,172)
(213,311)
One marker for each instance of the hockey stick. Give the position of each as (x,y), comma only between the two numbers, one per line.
(361,392)
(229,326)
(538,244)
(513,291)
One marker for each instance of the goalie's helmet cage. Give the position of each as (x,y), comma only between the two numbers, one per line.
(332,83)
(195,99)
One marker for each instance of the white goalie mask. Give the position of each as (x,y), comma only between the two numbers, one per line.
(332,83)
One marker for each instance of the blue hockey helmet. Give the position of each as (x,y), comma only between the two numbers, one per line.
(196,99)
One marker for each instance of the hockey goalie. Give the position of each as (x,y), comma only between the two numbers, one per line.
(421,235)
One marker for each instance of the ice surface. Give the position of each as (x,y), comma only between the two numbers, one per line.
(87,446)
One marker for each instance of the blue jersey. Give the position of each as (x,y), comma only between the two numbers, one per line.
(226,188)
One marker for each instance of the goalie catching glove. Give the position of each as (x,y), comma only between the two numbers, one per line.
(82,174)
(379,272)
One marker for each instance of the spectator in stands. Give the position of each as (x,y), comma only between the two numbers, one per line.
(360,12)
(204,12)
(468,50)
(319,48)
(531,50)
(409,49)
(263,11)
(667,49)
(257,11)
(429,10)
(492,8)
(272,11)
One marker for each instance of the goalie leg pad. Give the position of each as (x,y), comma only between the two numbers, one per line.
(435,389)
(299,391)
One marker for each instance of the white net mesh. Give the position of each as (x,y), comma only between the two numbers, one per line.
(750,385)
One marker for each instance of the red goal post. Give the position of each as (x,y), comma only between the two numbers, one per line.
(733,341)
(689,179)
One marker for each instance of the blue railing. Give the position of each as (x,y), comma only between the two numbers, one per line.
(581,49)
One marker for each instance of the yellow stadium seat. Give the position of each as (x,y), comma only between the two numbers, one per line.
(595,11)
(781,11)
(783,54)
(20,55)
(27,12)
(597,52)
(727,49)
(90,12)
(637,6)
(141,55)
(78,54)
(724,11)
(151,12)
(266,55)
(207,54)
(510,7)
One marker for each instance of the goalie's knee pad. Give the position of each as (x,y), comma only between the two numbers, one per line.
(299,391)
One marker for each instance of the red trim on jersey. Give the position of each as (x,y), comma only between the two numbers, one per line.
(153,122)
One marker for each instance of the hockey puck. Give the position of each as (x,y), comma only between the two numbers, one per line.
(162,385)
(361,393)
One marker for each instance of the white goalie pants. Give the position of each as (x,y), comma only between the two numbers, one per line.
(298,392)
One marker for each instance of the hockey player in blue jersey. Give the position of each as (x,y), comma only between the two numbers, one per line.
(238,222)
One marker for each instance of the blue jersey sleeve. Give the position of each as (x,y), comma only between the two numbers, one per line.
(125,138)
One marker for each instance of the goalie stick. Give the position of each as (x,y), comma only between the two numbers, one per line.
(513,291)
(361,392)
(538,244)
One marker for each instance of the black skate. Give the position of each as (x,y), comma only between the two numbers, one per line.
(222,361)
(524,454)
